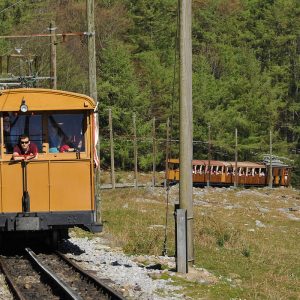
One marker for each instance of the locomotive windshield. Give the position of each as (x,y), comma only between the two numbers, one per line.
(64,132)
(15,125)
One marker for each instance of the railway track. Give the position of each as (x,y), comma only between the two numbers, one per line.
(52,276)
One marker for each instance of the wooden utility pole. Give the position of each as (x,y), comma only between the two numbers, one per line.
(135,153)
(36,63)
(53,43)
(93,91)
(112,154)
(167,151)
(209,157)
(186,122)
(90,8)
(270,168)
(7,64)
(30,64)
(22,72)
(154,153)
(236,159)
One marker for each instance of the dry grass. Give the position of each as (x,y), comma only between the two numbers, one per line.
(128,177)
(249,239)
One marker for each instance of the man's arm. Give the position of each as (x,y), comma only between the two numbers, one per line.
(17,156)
(33,152)
(31,156)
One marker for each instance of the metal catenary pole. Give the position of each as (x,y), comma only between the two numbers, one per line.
(186,123)
(112,155)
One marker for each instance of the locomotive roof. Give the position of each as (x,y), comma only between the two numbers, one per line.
(44,99)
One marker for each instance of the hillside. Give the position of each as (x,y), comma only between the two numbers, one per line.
(245,70)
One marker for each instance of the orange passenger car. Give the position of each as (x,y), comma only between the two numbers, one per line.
(222,173)
(58,187)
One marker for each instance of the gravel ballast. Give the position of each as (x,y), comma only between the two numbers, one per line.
(126,273)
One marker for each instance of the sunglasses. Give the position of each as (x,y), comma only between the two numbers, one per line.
(24,142)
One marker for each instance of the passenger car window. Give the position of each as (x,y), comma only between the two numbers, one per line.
(15,125)
(66,133)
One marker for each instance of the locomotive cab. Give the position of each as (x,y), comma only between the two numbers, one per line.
(59,184)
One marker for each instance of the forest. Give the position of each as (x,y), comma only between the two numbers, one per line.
(246,71)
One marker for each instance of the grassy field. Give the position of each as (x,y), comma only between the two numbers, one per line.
(247,239)
(128,177)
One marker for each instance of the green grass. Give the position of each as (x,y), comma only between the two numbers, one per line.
(249,262)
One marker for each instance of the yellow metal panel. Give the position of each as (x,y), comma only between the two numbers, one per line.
(38,186)
(44,99)
(70,186)
(54,186)
(12,188)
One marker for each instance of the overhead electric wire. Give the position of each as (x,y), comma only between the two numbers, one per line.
(30,37)
(21,45)
(1,11)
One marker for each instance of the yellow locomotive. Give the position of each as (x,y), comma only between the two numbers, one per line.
(54,192)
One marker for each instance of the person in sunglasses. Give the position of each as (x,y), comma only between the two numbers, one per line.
(25,150)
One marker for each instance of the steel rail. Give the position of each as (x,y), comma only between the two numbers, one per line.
(64,287)
(113,295)
(10,282)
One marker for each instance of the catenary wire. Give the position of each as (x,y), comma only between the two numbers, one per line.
(12,5)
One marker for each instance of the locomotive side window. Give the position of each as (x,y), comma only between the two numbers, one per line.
(15,125)
(66,132)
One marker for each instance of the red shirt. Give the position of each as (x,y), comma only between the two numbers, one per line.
(32,150)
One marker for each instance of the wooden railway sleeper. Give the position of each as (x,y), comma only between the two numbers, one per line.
(105,288)
(64,287)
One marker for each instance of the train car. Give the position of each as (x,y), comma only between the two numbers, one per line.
(222,173)
(54,192)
